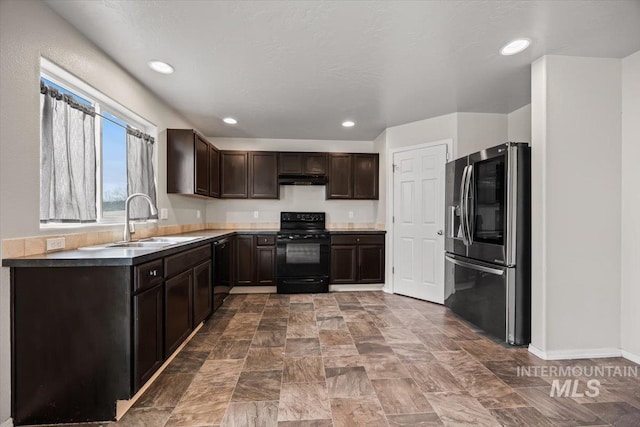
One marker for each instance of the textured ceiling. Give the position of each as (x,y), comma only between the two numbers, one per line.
(290,69)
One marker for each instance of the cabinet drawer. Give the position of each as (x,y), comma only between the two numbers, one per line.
(180,262)
(266,240)
(357,239)
(147,275)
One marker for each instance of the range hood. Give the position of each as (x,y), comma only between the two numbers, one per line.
(302,179)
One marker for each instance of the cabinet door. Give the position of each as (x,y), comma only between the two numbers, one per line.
(147,335)
(365,176)
(177,310)
(371,264)
(315,164)
(214,172)
(202,292)
(290,163)
(340,180)
(343,264)
(245,270)
(202,166)
(234,175)
(263,175)
(265,265)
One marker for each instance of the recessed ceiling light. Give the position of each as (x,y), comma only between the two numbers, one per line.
(515,46)
(230,120)
(161,67)
(348,124)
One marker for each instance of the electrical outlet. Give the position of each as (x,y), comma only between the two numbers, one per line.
(198,213)
(164,213)
(256,214)
(56,244)
(350,214)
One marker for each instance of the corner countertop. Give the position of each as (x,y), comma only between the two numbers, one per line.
(113,257)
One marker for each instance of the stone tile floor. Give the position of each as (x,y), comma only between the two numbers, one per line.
(366,359)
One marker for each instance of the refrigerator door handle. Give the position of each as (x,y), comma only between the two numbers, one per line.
(496,271)
(463,205)
(469,210)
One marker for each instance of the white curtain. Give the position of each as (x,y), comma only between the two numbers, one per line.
(140,177)
(68,159)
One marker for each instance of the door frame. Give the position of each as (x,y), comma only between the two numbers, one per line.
(389,225)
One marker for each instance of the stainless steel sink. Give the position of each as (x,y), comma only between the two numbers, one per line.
(149,243)
(171,239)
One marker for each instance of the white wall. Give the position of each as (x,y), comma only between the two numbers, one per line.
(423,131)
(576,107)
(380,147)
(29,29)
(477,131)
(519,124)
(292,198)
(630,293)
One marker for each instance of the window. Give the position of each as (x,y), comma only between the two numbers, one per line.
(93,139)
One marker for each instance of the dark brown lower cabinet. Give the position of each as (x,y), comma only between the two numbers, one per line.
(147,338)
(177,310)
(344,261)
(357,258)
(202,292)
(245,266)
(371,263)
(255,260)
(265,265)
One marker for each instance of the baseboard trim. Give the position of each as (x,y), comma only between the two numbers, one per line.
(630,356)
(253,290)
(596,353)
(358,288)
(7,423)
(122,406)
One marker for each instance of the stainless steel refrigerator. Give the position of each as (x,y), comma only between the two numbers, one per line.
(488,240)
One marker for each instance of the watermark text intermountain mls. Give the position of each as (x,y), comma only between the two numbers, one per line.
(574,376)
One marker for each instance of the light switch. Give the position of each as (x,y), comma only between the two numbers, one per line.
(350,214)
(164,213)
(256,214)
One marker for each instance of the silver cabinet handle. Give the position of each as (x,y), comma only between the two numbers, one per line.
(496,271)
(440,233)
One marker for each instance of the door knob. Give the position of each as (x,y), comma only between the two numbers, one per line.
(439,232)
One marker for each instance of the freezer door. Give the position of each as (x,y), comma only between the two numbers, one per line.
(484,294)
(454,232)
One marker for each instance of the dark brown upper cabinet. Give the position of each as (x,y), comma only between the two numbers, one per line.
(353,176)
(340,180)
(365,176)
(214,172)
(192,164)
(303,164)
(234,177)
(263,175)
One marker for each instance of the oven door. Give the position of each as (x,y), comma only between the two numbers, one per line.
(302,258)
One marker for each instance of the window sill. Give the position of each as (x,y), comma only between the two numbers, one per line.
(94,225)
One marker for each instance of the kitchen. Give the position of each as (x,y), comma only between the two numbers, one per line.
(574,314)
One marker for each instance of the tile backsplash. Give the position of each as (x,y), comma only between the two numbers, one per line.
(25,246)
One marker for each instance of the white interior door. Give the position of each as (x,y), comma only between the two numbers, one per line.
(418,210)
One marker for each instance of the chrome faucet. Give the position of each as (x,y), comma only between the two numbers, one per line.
(127,229)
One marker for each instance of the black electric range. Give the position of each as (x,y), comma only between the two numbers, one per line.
(303,247)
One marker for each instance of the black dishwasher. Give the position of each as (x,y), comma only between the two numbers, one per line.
(222,281)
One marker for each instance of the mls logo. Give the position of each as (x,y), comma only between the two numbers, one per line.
(570,389)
